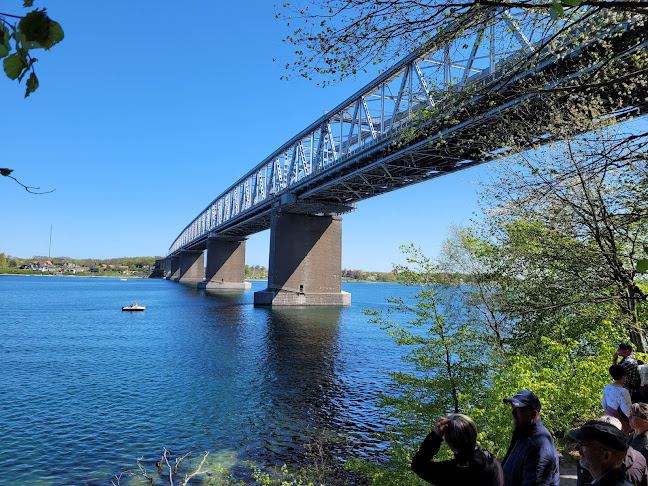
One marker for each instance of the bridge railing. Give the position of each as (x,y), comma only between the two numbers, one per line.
(426,78)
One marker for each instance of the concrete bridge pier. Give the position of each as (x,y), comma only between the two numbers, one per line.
(192,267)
(225,264)
(174,268)
(305,262)
(161,268)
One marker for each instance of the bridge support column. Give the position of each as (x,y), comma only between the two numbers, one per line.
(305,262)
(192,267)
(174,268)
(159,270)
(225,265)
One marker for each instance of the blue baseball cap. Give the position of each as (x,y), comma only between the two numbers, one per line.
(524,398)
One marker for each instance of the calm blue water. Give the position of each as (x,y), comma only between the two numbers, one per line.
(86,389)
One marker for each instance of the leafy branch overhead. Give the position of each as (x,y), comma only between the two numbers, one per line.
(32,31)
(34,190)
(335,39)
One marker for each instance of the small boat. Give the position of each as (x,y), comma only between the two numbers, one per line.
(123,279)
(134,307)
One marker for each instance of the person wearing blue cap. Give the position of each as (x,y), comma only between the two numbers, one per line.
(531,459)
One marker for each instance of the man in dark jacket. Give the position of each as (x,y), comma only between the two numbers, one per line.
(531,459)
(634,464)
(602,448)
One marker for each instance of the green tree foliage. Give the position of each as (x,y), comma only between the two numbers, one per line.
(256,271)
(554,267)
(553,288)
(446,358)
(19,36)
(339,38)
(454,365)
(34,30)
(566,233)
(3,260)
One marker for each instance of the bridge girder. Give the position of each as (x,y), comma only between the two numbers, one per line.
(353,152)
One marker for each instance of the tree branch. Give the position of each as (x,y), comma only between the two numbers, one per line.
(30,189)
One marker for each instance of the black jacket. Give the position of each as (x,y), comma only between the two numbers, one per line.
(478,468)
(612,478)
(634,466)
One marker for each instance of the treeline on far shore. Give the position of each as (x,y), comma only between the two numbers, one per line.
(132,266)
(9,261)
(396,277)
(144,266)
(258,272)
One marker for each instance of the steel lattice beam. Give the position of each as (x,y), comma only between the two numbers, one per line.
(349,153)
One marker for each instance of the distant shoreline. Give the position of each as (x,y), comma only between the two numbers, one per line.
(60,275)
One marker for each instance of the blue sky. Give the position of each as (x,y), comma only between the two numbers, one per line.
(149,110)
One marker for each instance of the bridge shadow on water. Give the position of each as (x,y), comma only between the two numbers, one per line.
(304,392)
(277,368)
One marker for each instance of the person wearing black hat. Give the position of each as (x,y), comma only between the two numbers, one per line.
(531,459)
(631,367)
(634,463)
(602,449)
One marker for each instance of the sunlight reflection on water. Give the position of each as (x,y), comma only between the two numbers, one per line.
(86,389)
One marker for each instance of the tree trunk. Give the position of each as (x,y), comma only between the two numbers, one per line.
(635,331)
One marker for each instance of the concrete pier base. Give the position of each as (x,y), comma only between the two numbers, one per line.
(305,262)
(225,265)
(192,267)
(225,286)
(286,297)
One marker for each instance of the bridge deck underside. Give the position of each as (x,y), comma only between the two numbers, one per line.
(384,169)
(432,149)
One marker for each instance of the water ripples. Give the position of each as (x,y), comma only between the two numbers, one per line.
(86,389)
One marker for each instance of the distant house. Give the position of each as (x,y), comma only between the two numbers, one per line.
(73,268)
(123,266)
(44,267)
(111,266)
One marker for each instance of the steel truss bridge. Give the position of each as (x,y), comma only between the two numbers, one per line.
(395,131)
